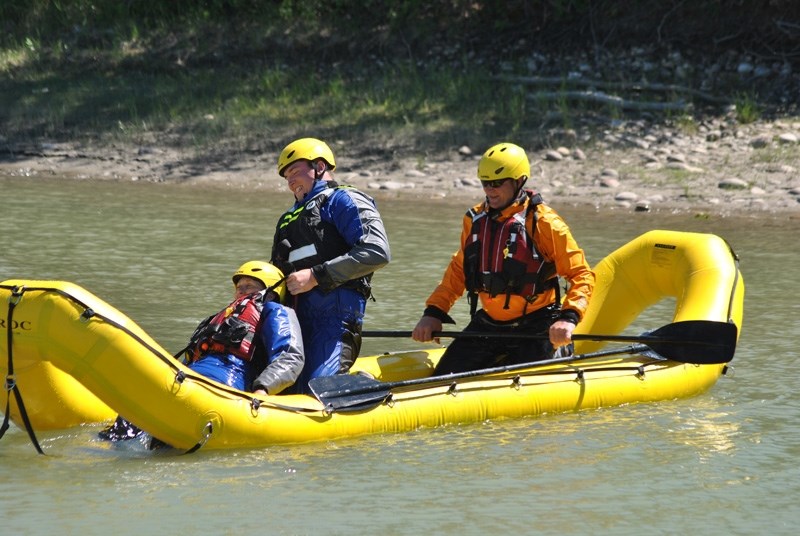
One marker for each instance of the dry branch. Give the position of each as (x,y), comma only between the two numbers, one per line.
(599,84)
(603,98)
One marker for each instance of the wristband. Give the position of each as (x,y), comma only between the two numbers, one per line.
(570,316)
(438,314)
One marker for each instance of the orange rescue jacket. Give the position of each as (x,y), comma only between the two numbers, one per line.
(554,242)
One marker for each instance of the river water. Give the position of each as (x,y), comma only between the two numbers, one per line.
(724,462)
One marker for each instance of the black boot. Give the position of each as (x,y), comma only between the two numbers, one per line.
(121,430)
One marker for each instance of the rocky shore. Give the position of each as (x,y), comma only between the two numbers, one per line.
(706,163)
(714,167)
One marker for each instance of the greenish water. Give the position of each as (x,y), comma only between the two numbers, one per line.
(724,462)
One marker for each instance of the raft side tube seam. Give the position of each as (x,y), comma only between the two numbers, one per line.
(638,372)
(206,382)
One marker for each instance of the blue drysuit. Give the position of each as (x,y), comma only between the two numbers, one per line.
(338,233)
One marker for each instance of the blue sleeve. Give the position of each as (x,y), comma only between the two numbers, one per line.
(358,221)
(283,342)
(342,211)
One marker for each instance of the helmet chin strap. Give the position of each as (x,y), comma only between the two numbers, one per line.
(520,184)
(317,176)
(272,288)
(317,173)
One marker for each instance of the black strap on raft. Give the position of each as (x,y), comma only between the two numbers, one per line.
(170,360)
(11,383)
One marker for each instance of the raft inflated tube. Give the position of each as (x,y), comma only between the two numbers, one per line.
(106,361)
(699,271)
(53,398)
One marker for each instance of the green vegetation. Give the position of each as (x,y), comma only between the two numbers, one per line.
(679,177)
(686,124)
(776,155)
(407,74)
(747,108)
(199,105)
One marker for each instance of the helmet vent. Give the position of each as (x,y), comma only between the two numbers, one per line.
(499,170)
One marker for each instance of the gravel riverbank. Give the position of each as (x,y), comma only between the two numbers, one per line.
(716,167)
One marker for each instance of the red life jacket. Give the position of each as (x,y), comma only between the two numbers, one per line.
(231,331)
(501,257)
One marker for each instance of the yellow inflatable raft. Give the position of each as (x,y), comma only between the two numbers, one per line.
(69,358)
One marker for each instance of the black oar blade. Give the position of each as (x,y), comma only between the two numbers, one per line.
(703,342)
(346,392)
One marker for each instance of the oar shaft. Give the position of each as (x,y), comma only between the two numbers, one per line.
(674,342)
(678,341)
(380,386)
(538,336)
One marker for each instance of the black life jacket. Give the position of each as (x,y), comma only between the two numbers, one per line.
(501,257)
(231,331)
(304,240)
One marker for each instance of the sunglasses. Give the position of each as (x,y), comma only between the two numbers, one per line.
(495,183)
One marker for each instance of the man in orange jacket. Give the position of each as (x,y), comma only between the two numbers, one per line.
(513,250)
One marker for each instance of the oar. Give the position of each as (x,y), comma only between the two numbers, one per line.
(702,342)
(353,392)
(693,341)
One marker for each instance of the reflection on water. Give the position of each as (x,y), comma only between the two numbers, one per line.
(721,462)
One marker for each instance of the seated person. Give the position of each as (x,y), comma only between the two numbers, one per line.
(224,347)
(254,343)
